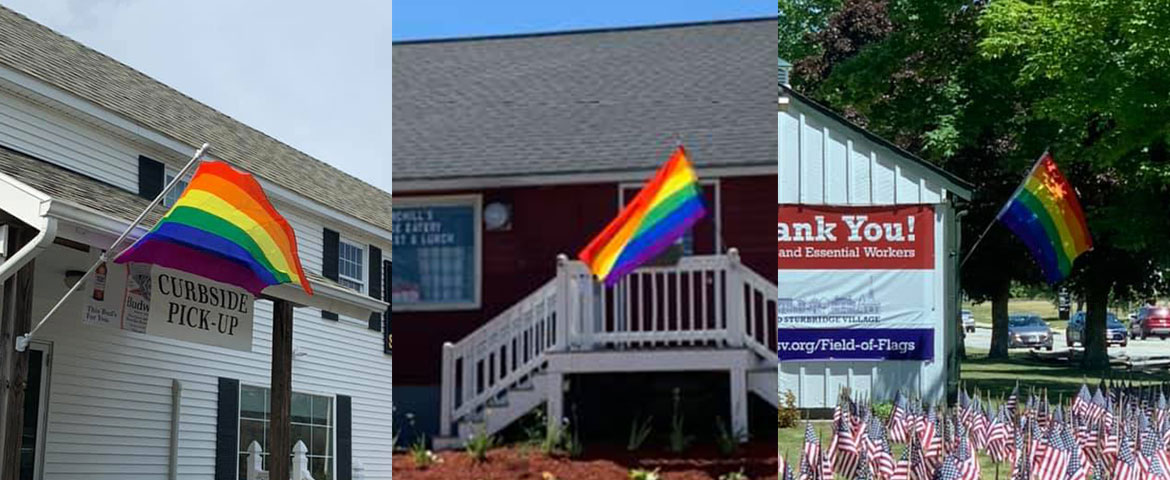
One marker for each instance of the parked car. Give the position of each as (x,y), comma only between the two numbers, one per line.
(1151,321)
(1115,330)
(968,320)
(1029,331)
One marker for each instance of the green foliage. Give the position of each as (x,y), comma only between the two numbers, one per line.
(478,445)
(737,475)
(883,411)
(726,441)
(788,414)
(640,474)
(678,441)
(422,457)
(638,433)
(798,19)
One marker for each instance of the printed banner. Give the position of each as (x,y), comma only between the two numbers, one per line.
(816,237)
(847,299)
(857,344)
(855,283)
(195,309)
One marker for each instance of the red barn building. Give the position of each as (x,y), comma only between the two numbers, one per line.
(511,151)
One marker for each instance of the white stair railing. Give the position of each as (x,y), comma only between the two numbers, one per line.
(708,301)
(502,353)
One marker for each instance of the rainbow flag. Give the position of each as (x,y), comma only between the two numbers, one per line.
(223,228)
(1046,215)
(668,205)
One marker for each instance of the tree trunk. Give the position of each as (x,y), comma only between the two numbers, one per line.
(1097,300)
(999,319)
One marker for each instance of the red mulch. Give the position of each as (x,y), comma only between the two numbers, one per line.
(758,461)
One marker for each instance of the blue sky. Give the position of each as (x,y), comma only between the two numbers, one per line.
(417,19)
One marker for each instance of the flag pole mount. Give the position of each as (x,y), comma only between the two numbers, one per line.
(22,342)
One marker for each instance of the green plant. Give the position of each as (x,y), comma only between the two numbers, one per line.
(678,440)
(479,443)
(726,440)
(883,411)
(639,474)
(551,443)
(788,414)
(535,427)
(638,433)
(573,446)
(422,457)
(734,476)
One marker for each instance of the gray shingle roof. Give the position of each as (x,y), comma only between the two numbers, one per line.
(51,57)
(74,187)
(591,101)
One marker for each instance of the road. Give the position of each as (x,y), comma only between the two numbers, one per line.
(981,339)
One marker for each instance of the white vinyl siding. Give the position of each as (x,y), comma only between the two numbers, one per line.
(110,391)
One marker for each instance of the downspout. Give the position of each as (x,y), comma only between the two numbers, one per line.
(30,250)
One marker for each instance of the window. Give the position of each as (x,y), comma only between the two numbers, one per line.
(351,270)
(437,253)
(174,193)
(312,423)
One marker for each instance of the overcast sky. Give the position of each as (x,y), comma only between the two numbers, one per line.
(315,75)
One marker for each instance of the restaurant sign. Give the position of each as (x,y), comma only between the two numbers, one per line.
(170,303)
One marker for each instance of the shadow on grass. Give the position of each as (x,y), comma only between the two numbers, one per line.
(1060,378)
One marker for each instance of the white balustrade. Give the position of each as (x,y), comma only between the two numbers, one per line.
(300,463)
(709,301)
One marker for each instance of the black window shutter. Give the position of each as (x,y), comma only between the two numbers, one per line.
(227,430)
(375,284)
(344,438)
(329,262)
(151,177)
(386,323)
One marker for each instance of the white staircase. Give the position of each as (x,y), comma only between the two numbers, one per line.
(517,361)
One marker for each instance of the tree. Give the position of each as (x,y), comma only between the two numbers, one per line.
(910,70)
(1099,68)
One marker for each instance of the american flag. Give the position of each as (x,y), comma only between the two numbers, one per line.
(845,453)
(1125,468)
(902,467)
(949,469)
(1152,459)
(810,455)
(898,419)
(878,451)
(1013,400)
(968,462)
(997,437)
(1053,462)
(919,467)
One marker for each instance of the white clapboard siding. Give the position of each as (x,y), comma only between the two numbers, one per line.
(110,400)
(825,161)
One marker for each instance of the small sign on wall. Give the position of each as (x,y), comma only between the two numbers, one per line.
(195,309)
(162,302)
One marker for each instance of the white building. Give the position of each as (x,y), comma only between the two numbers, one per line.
(85,141)
(826,161)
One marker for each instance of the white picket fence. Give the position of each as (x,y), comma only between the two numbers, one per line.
(300,464)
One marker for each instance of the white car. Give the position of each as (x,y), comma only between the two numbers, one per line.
(968,320)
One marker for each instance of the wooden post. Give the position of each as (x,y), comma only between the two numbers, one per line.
(15,320)
(279,426)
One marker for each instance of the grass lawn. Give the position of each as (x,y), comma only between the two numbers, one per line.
(1044,308)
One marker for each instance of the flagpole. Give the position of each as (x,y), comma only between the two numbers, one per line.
(1003,209)
(23,340)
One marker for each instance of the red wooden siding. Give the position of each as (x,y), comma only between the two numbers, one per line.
(547,221)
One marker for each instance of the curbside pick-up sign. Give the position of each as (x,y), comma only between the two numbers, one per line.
(195,309)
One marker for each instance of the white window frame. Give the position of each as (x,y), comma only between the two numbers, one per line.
(716,211)
(332,420)
(476,202)
(363,268)
(168,175)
